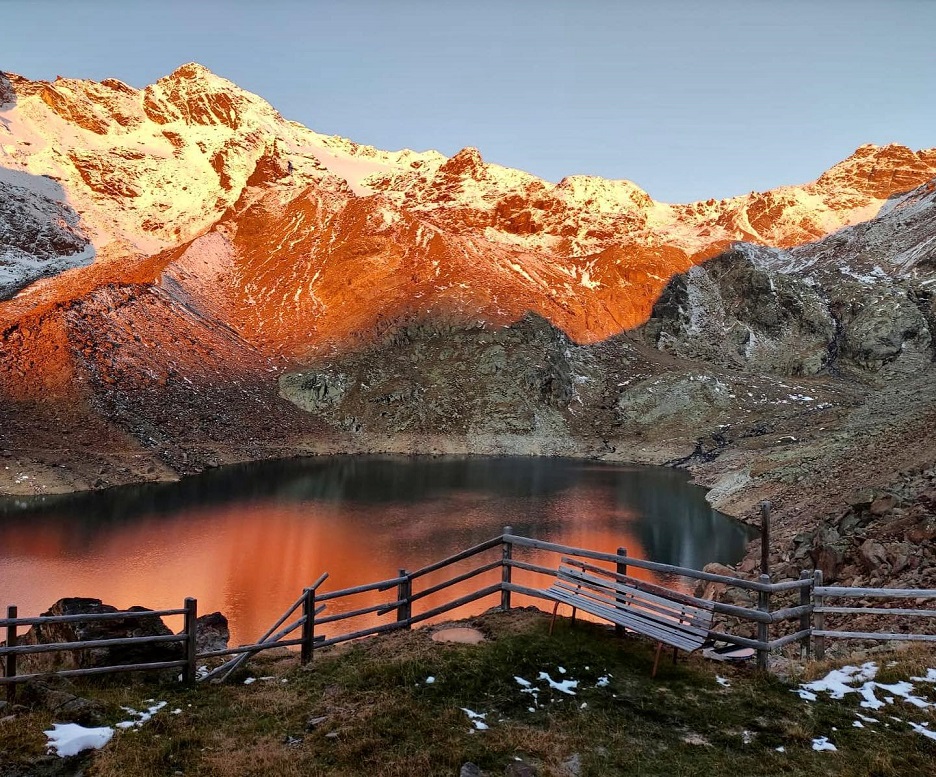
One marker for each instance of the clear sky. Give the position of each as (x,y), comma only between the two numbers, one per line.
(688,98)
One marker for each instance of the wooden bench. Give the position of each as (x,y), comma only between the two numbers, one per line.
(666,616)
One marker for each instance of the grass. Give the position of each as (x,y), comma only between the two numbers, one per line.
(381,717)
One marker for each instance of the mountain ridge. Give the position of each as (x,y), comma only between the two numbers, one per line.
(181,153)
(187,278)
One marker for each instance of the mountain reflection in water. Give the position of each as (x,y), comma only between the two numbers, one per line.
(246,539)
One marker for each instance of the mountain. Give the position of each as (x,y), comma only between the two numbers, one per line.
(304,238)
(188,278)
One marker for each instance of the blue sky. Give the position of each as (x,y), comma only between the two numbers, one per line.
(688,98)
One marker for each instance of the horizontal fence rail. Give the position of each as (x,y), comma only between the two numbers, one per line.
(12,649)
(518,576)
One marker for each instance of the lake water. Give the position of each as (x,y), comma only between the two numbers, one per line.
(247,539)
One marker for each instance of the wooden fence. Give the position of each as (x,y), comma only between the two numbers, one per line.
(797,608)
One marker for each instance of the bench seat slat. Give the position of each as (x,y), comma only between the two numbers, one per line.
(652,588)
(668,621)
(676,639)
(695,622)
(669,635)
(667,604)
(601,593)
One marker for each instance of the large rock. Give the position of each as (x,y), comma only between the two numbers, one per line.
(828,552)
(57,695)
(75,631)
(211,633)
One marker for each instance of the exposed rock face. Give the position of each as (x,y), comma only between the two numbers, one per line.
(39,233)
(733,312)
(57,695)
(455,380)
(763,310)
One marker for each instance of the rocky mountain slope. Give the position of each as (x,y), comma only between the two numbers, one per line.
(188,278)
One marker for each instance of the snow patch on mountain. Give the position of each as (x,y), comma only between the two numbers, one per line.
(40,233)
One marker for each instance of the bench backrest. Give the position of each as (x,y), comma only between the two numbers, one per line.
(662,608)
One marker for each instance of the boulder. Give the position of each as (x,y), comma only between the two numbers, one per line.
(76,631)
(707,589)
(56,694)
(872,555)
(828,552)
(211,632)
(883,504)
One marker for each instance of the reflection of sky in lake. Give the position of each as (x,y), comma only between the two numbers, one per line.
(245,540)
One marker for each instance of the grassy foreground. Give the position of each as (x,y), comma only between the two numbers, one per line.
(368,710)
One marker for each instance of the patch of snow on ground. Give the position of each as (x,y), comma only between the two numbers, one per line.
(722,681)
(141,717)
(823,743)
(476,718)
(565,686)
(840,682)
(921,728)
(67,739)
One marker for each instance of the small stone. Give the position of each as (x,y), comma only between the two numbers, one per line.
(332,735)
(883,504)
(312,723)
(469,769)
(572,766)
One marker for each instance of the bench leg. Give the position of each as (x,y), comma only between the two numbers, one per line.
(573,616)
(553,621)
(656,660)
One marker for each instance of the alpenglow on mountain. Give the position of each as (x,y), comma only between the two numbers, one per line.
(187,278)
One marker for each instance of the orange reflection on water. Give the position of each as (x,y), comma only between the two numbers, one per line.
(250,556)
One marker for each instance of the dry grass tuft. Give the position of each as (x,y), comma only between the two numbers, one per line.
(375,714)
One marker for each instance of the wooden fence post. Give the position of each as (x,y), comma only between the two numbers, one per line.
(763,629)
(621,570)
(11,657)
(765,538)
(404,592)
(506,569)
(818,617)
(308,626)
(191,627)
(805,621)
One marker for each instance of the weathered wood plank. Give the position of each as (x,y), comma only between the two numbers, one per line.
(472,551)
(874,635)
(876,611)
(39,620)
(695,574)
(628,619)
(457,579)
(99,670)
(876,593)
(54,647)
(382,585)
